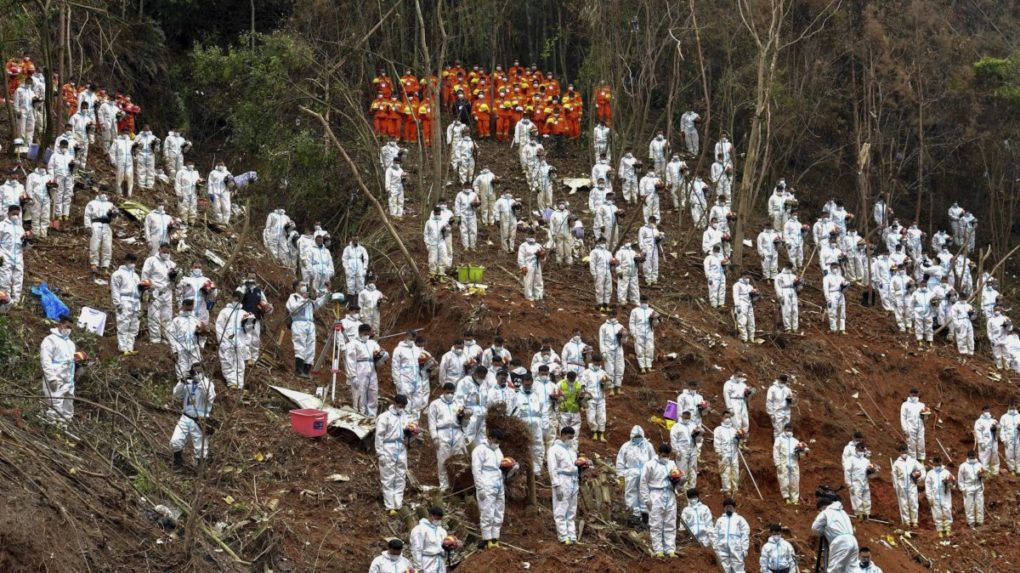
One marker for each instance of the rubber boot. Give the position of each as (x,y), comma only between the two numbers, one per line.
(308,370)
(178,460)
(299,368)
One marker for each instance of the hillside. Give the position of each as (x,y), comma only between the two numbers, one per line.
(265,497)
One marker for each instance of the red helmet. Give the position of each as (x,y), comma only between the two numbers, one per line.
(507,463)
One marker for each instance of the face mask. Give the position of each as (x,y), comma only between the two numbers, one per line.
(370,287)
(776,538)
(164,256)
(531,240)
(448,398)
(636,440)
(249,281)
(196,272)
(303,290)
(644,305)
(729,512)
(727,423)
(458,351)
(65,332)
(130,267)
(14,218)
(865,563)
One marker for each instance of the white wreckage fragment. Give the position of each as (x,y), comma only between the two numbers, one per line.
(343,419)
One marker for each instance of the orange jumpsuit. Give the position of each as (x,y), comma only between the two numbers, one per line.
(603,104)
(410,84)
(483,118)
(573,112)
(13,72)
(393,118)
(383,85)
(410,128)
(378,117)
(425,117)
(70,94)
(504,115)
(516,71)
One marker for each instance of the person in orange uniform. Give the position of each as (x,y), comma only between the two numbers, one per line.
(13,74)
(425,118)
(69,93)
(393,120)
(504,115)
(603,103)
(131,111)
(409,116)
(482,112)
(516,70)
(376,111)
(382,84)
(409,82)
(574,112)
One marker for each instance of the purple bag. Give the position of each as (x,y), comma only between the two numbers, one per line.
(670,412)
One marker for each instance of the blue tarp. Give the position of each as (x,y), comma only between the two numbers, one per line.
(54,308)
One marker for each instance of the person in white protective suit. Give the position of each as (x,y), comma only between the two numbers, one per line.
(777,554)
(394,182)
(196,392)
(744,296)
(107,121)
(726,442)
(369,300)
(497,348)
(445,415)
(722,176)
(629,460)
(61,168)
(627,173)
(575,352)
(971,481)
(59,357)
(786,454)
(720,213)
(834,285)
(597,195)
(627,286)
(472,394)
(465,152)
(506,217)
(82,126)
(146,149)
(900,289)
(698,202)
(732,538)
(122,152)
(907,473)
(648,190)
(530,256)
(600,264)
(1009,435)
(986,440)
(174,148)
(657,487)
(37,188)
(13,241)
(611,337)
(546,388)
(913,414)
(559,234)
(183,336)
(881,280)
(435,241)
(317,264)
(833,524)
(778,401)
(595,381)
(736,393)
(483,187)
(490,470)
(676,175)
(24,111)
(355,263)
(531,409)
(201,289)
(684,437)
(690,400)
(429,551)
(157,228)
(923,314)
(406,373)
(301,312)
(600,140)
(689,129)
(642,324)
(864,564)
(938,488)
(787,284)
(454,364)
(186,185)
(605,223)
(219,188)
(768,249)
(564,475)
(232,326)
(858,469)
(391,560)
(127,302)
(658,150)
(389,152)
(531,152)
(649,239)
(254,301)
(698,518)
(161,274)
(502,393)
(392,431)
(715,274)
(363,356)
(465,210)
